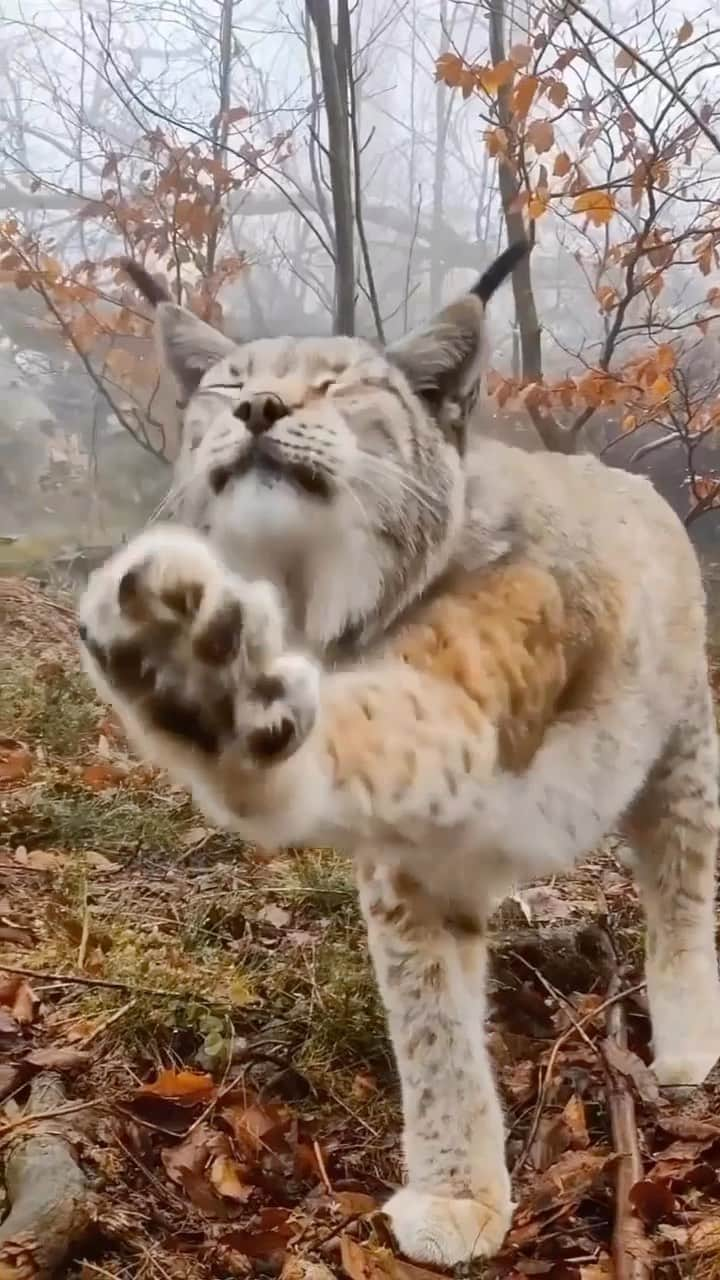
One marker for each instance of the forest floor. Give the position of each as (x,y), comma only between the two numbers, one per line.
(206,1016)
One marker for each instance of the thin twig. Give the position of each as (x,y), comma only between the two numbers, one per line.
(111,985)
(623,1123)
(561,1040)
(321,1166)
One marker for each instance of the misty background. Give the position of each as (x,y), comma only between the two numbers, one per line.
(300,167)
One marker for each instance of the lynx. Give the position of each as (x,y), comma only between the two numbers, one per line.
(459,663)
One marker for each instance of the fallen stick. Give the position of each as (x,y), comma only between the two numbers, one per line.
(48,1192)
(623,1124)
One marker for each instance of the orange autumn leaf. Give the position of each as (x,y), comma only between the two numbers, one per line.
(607,297)
(15,760)
(184,1087)
(102,775)
(598,205)
(523,95)
(449,68)
(562,164)
(538,204)
(661,387)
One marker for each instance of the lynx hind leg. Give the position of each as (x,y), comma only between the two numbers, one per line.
(431,972)
(674,825)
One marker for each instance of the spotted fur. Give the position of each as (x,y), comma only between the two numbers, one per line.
(462,668)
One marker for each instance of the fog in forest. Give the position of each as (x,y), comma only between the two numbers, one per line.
(310,168)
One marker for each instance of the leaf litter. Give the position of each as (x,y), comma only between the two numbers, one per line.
(250,1124)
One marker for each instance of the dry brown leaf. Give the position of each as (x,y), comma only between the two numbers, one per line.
(565,1183)
(195,836)
(601,1270)
(277,916)
(355,1203)
(58,1059)
(192,1154)
(225,1176)
(521,54)
(685,31)
(257,1128)
(303,1269)
(652,1200)
(39,859)
(103,774)
(99,862)
(557,93)
(15,760)
(184,1087)
(633,1067)
(365,1263)
(18,996)
(540,135)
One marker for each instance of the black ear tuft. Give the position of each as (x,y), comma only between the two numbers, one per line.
(145,284)
(502,267)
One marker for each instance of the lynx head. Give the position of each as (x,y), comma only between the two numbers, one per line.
(327,464)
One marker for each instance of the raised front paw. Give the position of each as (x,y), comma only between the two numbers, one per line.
(445,1231)
(193,651)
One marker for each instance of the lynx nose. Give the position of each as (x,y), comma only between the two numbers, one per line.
(260,412)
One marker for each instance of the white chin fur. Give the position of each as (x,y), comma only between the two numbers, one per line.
(256,514)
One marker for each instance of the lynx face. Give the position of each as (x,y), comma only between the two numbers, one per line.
(332,467)
(292,445)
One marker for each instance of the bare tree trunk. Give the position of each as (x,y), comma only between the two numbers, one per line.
(334,64)
(551,433)
(437,262)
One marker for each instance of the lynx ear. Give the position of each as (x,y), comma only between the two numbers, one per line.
(188,346)
(444,360)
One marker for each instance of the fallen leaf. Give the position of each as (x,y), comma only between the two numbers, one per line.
(99,862)
(355,1203)
(565,1183)
(14,933)
(11,1077)
(542,903)
(601,1270)
(278,917)
(102,775)
(184,1087)
(225,1178)
(687,1128)
(362,1262)
(8,1024)
(257,1128)
(303,1269)
(39,859)
(194,836)
(652,1200)
(18,996)
(633,1067)
(705,1237)
(15,759)
(59,1059)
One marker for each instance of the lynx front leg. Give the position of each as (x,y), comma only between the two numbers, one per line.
(431,972)
(674,828)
